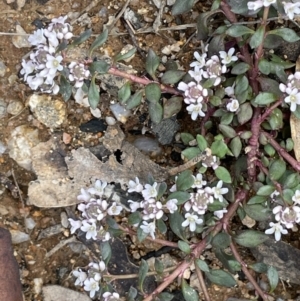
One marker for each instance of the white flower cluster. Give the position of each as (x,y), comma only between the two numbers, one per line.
(291,9)
(292,90)
(93,211)
(45,64)
(286,216)
(90,278)
(205,69)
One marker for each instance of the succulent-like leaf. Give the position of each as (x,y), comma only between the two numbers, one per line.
(245,113)
(132,294)
(161,226)
(238,31)
(265,190)
(100,67)
(180,7)
(219,148)
(82,38)
(257,199)
(202,143)
(258,212)
(172,106)
(159,266)
(119,57)
(190,152)
(250,238)
(184,246)
(227,131)
(105,250)
(240,68)
(185,180)
(272,277)
(99,41)
(134,218)
(135,100)
(180,196)
(142,274)
(259,267)
(124,93)
(176,220)
(203,266)
(65,88)
(156,112)
(153,92)
(287,34)
(221,240)
(164,296)
(277,169)
(93,94)
(189,293)
(152,62)
(236,146)
(221,277)
(223,174)
(172,76)
(257,38)
(265,98)
(186,138)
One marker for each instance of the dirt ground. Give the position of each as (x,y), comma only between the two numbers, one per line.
(35,267)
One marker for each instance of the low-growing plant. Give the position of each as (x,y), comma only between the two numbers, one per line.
(239,94)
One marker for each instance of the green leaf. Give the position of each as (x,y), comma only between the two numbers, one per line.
(277,169)
(190,153)
(99,41)
(221,277)
(135,100)
(83,37)
(276,119)
(227,131)
(176,220)
(124,93)
(65,88)
(269,85)
(142,274)
(152,62)
(238,31)
(155,112)
(189,293)
(273,278)
(172,76)
(236,146)
(184,247)
(62,46)
(219,148)
(93,94)
(234,265)
(202,27)
(265,98)
(202,265)
(172,106)
(258,212)
(245,113)
(185,180)
(223,174)
(164,296)
(227,118)
(158,265)
(202,143)
(141,235)
(125,56)
(162,188)
(134,218)
(265,190)
(105,250)
(291,181)
(132,294)
(100,67)
(153,92)
(161,226)
(186,138)
(270,150)
(257,199)
(239,7)
(180,7)
(258,37)
(259,267)
(242,84)
(221,240)
(287,34)
(240,68)
(250,238)
(180,196)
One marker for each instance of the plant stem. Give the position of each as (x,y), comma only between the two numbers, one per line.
(282,152)
(240,196)
(156,240)
(201,282)
(143,81)
(246,271)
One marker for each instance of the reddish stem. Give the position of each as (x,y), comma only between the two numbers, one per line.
(143,81)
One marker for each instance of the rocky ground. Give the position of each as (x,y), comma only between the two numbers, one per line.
(39,135)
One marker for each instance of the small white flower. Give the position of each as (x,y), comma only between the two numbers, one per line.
(267,3)
(228,57)
(200,60)
(92,286)
(53,63)
(191,221)
(135,186)
(217,191)
(274,194)
(98,188)
(254,5)
(149,228)
(192,91)
(28,68)
(34,81)
(277,229)
(90,229)
(282,87)
(172,205)
(230,90)
(296,197)
(150,191)
(80,275)
(198,181)
(293,99)
(220,213)
(37,38)
(291,9)
(114,209)
(110,296)
(196,74)
(195,110)
(84,196)
(233,105)
(134,206)
(74,225)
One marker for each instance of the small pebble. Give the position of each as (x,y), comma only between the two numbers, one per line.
(3,106)
(64,220)
(38,285)
(15,107)
(20,41)
(2,148)
(120,113)
(110,120)
(148,145)
(67,138)
(2,69)
(18,237)
(30,223)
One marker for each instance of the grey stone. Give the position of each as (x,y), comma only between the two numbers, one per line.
(2,69)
